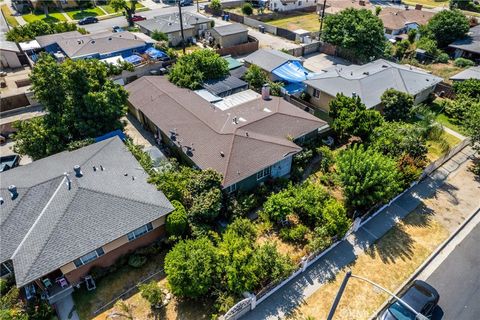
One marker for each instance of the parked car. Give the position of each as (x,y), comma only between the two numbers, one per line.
(420,296)
(184,3)
(136,18)
(117,29)
(88,20)
(9,162)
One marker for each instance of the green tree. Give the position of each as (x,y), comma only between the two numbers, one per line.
(472,125)
(279,205)
(397,105)
(412,35)
(191,268)
(37,28)
(447,26)
(367,177)
(256,77)
(206,206)
(327,158)
(247,9)
(357,30)
(334,218)
(152,292)
(469,88)
(430,46)
(270,265)
(128,8)
(177,222)
(351,117)
(192,69)
(468,5)
(159,36)
(215,5)
(81,102)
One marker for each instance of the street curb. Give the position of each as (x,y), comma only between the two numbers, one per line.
(426,262)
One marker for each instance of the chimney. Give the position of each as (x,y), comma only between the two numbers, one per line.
(418,7)
(266,92)
(362,3)
(78,171)
(69,182)
(13,191)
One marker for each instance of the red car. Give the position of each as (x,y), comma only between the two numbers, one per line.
(136,18)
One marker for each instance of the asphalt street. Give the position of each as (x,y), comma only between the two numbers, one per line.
(457,280)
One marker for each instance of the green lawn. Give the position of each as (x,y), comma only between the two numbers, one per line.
(428,3)
(306,21)
(53,16)
(444,119)
(110,10)
(437,148)
(78,14)
(7,13)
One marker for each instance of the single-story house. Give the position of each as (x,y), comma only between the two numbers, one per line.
(247,140)
(9,54)
(230,35)
(69,212)
(100,45)
(470,73)
(468,47)
(225,86)
(288,5)
(268,60)
(369,82)
(335,6)
(399,21)
(194,25)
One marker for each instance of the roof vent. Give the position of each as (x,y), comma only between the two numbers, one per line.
(235,120)
(1,201)
(92,42)
(109,38)
(101,168)
(354,94)
(222,154)
(94,168)
(366,73)
(78,171)
(133,178)
(69,182)
(246,133)
(13,191)
(384,66)
(79,41)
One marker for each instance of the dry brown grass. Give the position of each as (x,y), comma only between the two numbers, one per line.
(292,251)
(389,262)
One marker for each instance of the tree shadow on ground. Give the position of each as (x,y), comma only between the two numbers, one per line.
(396,244)
(450,190)
(86,13)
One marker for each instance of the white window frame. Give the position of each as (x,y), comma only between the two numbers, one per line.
(8,267)
(137,233)
(89,257)
(232,188)
(264,173)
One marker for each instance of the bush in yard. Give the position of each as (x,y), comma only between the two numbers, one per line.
(351,117)
(206,206)
(472,125)
(296,234)
(152,292)
(159,36)
(469,88)
(334,218)
(177,222)
(256,77)
(463,63)
(367,177)
(270,265)
(401,48)
(192,69)
(456,109)
(396,105)
(191,268)
(443,58)
(357,30)
(136,260)
(243,228)
(409,168)
(412,35)
(247,9)
(276,88)
(215,5)
(327,159)
(279,205)
(430,46)
(447,26)
(241,204)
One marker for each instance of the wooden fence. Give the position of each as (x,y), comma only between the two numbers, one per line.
(240,49)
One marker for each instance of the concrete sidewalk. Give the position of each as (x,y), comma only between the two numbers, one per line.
(305,284)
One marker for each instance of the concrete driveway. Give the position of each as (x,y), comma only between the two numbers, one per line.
(317,62)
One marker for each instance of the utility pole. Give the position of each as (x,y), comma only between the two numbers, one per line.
(321,20)
(181,25)
(348,275)
(198,7)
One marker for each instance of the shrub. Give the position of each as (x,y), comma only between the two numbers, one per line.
(396,105)
(159,36)
(176,224)
(443,58)
(243,228)
(296,234)
(215,5)
(152,293)
(463,63)
(241,204)
(247,9)
(98,273)
(326,158)
(305,96)
(469,88)
(255,77)
(136,260)
(276,88)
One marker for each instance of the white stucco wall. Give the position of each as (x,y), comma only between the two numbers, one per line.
(298,4)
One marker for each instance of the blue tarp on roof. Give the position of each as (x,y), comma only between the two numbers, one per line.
(294,87)
(291,71)
(133,59)
(155,54)
(109,135)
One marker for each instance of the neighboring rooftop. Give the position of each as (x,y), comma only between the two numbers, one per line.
(269,59)
(56,219)
(237,142)
(395,18)
(470,73)
(370,81)
(225,86)
(335,6)
(230,29)
(49,39)
(471,43)
(168,23)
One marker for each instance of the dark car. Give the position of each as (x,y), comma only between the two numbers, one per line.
(88,20)
(136,18)
(184,3)
(421,296)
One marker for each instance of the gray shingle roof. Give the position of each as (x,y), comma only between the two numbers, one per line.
(230,29)
(269,59)
(470,43)
(257,140)
(370,81)
(225,86)
(49,225)
(168,23)
(470,73)
(50,39)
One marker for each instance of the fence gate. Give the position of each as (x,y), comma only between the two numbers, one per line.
(238,310)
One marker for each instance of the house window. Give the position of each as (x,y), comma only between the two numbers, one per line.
(140,231)
(316,93)
(299,3)
(89,257)
(6,268)
(231,188)
(264,173)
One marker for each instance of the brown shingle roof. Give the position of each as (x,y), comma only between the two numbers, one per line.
(394,18)
(258,139)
